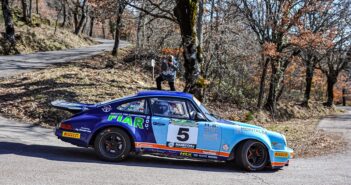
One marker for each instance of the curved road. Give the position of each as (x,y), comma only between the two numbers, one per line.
(32,155)
(10,65)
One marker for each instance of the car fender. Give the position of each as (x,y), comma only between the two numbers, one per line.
(232,136)
(103,125)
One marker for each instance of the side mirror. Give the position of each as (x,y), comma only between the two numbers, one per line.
(200,117)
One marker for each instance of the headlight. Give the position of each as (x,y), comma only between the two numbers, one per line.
(278,146)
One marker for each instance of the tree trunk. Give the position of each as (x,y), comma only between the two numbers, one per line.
(200,24)
(30,10)
(262,83)
(343,97)
(186,14)
(9,27)
(84,25)
(103,29)
(139,28)
(82,18)
(57,18)
(92,19)
(120,9)
(331,80)
(24,11)
(75,17)
(37,6)
(309,78)
(64,14)
(112,28)
(274,86)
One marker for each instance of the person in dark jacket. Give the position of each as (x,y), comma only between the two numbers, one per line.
(169,69)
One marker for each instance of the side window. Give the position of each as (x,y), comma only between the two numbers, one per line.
(168,107)
(192,110)
(137,106)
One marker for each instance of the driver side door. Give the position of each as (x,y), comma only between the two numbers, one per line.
(172,124)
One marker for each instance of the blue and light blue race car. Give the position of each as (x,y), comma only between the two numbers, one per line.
(171,124)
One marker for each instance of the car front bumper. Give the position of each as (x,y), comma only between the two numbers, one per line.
(280,158)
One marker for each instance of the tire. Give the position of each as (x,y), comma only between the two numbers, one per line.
(249,160)
(112,144)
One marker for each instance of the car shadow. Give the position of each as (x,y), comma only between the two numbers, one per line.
(87,155)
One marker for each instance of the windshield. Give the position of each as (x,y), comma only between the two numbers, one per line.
(207,113)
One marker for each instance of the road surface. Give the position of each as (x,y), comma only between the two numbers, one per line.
(10,65)
(32,155)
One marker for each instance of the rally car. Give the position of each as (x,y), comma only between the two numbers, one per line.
(171,124)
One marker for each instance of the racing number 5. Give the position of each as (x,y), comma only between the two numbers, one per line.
(183,134)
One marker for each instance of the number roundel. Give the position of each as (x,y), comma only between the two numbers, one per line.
(183,134)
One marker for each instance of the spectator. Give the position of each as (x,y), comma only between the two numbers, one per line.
(169,69)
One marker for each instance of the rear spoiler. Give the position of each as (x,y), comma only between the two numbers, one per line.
(72,107)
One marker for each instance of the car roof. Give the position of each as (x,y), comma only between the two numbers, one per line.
(165,93)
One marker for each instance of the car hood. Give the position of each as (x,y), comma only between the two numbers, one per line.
(273,136)
(245,125)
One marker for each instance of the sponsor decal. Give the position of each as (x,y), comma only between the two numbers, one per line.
(202,156)
(106,108)
(186,154)
(281,154)
(136,122)
(83,129)
(209,152)
(170,144)
(182,122)
(147,122)
(253,130)
(211,131)
(210,125)
(181,145)
(225,147)
(195,152)
(71,135)
(212,157)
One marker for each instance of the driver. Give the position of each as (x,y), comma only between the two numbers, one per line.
(161,108)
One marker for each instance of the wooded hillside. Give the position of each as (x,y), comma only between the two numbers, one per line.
(251,53)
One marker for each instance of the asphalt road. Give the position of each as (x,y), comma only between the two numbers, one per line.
(32,155)
(10,65)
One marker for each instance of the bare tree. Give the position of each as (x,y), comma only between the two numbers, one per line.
(24,4)
(120,9)
(315,38)
(185,14)
(79,25)
(9,27)
(272,21)
(37,6)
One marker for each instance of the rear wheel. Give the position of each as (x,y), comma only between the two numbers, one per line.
(252,156)
(112,144)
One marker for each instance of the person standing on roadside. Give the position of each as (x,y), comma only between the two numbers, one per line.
(169,69)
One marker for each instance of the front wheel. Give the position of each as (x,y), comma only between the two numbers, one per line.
(112,144)
(252,156)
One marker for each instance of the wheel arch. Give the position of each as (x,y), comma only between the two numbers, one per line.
(241,142)
(97,131)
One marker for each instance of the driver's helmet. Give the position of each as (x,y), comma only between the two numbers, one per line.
(161,108)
